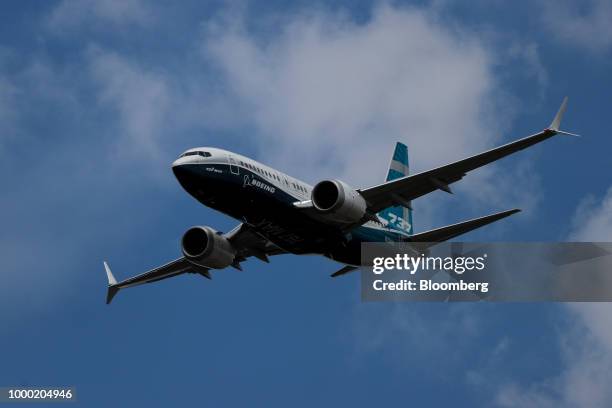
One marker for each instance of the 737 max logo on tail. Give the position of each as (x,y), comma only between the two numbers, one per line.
(399,222)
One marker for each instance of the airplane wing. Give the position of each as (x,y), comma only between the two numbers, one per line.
(454,230)
(243,238)
(168,270)
(401,191)
(250,243)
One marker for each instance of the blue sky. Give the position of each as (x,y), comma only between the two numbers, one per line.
(98,98)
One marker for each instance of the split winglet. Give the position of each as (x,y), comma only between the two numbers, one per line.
(556,123)
(112,289)
(111,279)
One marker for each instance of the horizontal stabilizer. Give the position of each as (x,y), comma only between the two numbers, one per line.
(452,231)
(344,271)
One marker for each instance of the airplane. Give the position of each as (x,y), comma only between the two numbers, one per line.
(280,214)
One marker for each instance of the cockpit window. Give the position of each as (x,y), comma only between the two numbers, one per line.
(197,152)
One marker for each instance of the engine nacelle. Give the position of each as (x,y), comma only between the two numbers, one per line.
(339,200)
(205,247)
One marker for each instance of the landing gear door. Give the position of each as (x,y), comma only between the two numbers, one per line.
(232,163)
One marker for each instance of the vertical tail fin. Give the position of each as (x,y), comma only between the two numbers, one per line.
(398,218)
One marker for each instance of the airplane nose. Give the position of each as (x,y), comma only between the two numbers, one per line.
(192,177)
(180,169)
(182,161)
(186,171)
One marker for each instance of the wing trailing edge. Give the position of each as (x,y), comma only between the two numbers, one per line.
(454,230)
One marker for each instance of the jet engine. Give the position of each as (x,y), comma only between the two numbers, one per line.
(336,198)
(206,247)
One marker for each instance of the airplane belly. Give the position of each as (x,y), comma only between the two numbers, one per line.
(349,251)
(249,198)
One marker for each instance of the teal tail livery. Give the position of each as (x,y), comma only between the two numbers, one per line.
(398,218)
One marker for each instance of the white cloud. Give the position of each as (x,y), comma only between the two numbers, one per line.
(341,93)
(586,349)
(586,341)
(71,14)
(139,96)
(73,116)
(530,57)
(582,23)
(417,334)
(593,220)
(35,84)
